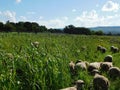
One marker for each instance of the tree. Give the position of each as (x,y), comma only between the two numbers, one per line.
(1,26)
(69,29)
(99,32)
(43,29)
(77,30)
(55,30)
(35,27)
(28,26)
(9,27)
(20,27)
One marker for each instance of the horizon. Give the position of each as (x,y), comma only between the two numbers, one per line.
(58,14)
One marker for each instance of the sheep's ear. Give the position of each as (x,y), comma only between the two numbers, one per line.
(87,63)
(101,64)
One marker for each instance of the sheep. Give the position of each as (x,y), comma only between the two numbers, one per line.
(108,58)
(35,44)
(94,71)
(114,72)
(78,61)
(81,65)
(114,49)
(105,66)
(69,88)
(72,67)
(79,86)
(100,82)
(101,49)
(94,65)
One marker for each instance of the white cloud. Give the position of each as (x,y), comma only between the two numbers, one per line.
(18,1)
(92,18)
(74,10)
(54,23)
(87,16)
(110,6)
(9,15)
(22,18)
(65,18)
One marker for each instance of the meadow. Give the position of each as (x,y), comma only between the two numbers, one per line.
(46,67)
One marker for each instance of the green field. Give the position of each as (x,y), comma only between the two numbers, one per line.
(25,67)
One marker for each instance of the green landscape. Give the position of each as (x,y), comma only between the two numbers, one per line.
(45,66)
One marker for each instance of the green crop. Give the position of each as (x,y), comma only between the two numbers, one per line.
(46,67)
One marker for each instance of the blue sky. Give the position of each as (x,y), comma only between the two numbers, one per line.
(59,13)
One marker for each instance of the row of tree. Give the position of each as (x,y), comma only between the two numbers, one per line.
(35,27)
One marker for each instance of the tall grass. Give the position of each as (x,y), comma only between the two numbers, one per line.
(46,67)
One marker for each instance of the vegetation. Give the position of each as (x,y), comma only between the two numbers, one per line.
(34,27)
(26,67)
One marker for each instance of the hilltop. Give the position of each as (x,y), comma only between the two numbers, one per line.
(108,29)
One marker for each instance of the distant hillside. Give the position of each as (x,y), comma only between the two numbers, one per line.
(107,29)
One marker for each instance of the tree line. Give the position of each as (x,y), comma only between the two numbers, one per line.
(36,28)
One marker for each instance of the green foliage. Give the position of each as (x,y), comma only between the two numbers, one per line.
(70,29)
(35,27)
(26,67)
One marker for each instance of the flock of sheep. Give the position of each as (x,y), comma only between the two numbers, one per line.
(99,82)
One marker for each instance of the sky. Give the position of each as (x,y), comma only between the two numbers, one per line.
(60,13)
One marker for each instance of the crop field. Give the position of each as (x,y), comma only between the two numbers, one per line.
(24,66)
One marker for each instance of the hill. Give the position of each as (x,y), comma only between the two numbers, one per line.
(107,29)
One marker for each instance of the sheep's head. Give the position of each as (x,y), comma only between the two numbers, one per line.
(80,84)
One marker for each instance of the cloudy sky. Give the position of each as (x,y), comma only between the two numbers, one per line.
(59,13)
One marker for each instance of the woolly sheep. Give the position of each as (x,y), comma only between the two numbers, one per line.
(101,49)
(108,58)
(94,65)
(81,65)
(36,44)
(94,71)
(78,61)
(105,66)
(114,72)
(100,82)
(79,86)
(69,88)
(114,49)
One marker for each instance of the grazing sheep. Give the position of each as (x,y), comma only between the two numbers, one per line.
(94,65)
(35,44)
(79,86)
(72,67)
(101,49)
(81,65)
(78,61)
(94,71)
(114,49)
(105,66)
(100,82)
(69,88)
(108,58)
(114,72)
